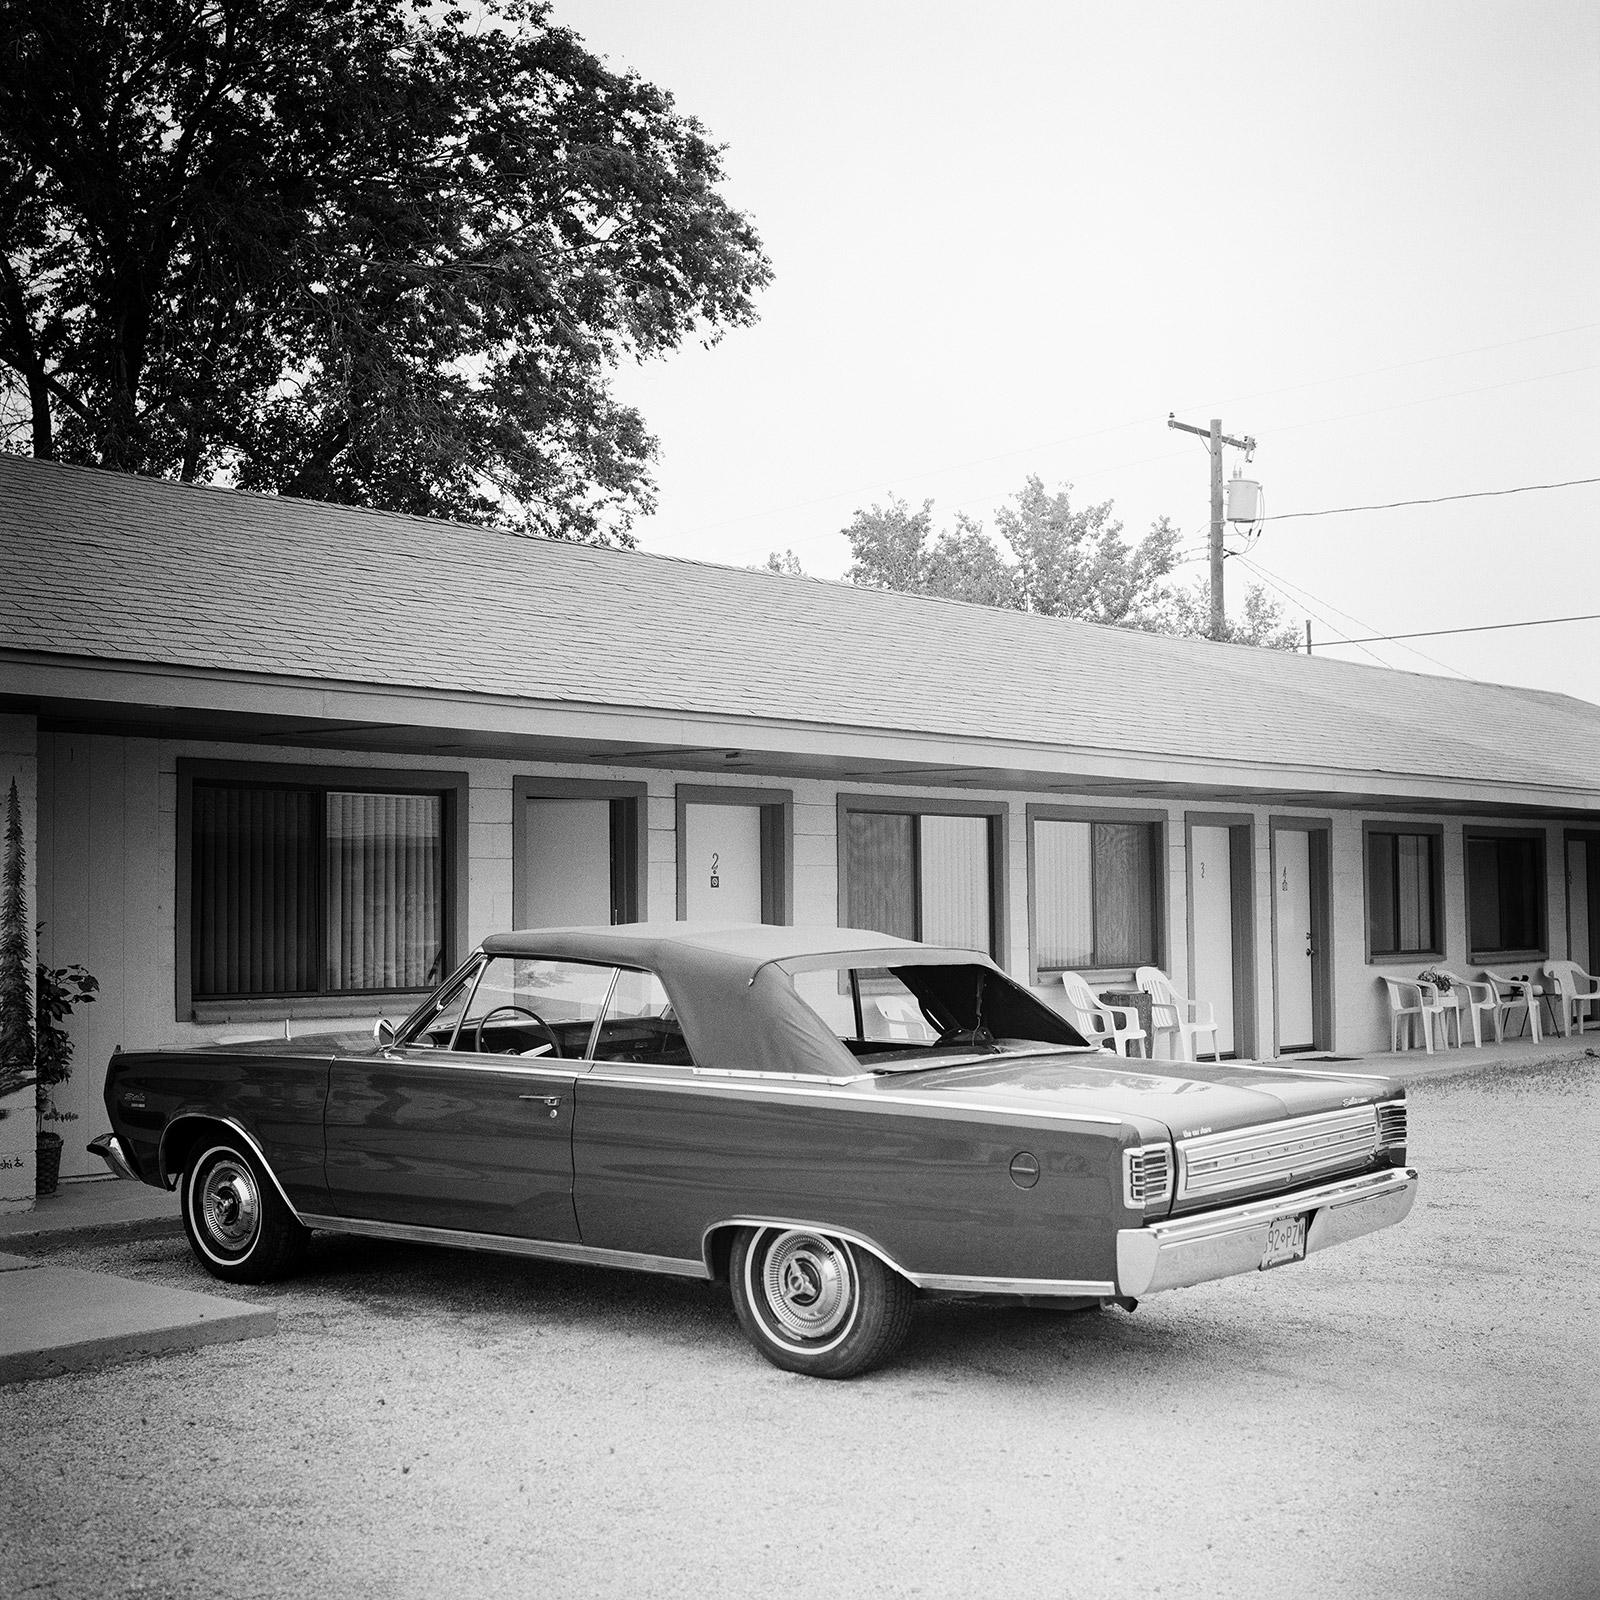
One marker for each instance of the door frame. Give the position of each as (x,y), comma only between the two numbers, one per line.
(629,840)
(777,842)
(1241,895)
(1319,831)
(1589,838)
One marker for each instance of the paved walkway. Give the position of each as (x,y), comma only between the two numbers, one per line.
(59,1319)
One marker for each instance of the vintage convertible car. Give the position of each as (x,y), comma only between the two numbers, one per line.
(833,1121)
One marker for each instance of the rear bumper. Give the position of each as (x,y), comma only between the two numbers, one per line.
(109,1148)
(1219,1244)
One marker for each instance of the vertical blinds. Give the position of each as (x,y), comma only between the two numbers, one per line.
(306,891)
(1094,894)
(920,877)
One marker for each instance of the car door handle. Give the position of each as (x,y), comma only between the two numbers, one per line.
(551,1101)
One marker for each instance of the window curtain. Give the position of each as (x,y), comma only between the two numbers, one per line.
(1414,890)
(954,881)
(384,882)
(253,891)
(1124,915)
(880,872)
(1063,904)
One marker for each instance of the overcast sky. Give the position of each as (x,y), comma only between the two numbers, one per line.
(1009,238)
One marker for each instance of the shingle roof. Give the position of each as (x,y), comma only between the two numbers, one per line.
(102,565)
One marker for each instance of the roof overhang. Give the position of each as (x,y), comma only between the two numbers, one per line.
(159,701)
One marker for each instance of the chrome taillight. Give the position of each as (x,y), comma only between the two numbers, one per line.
(1147,1176)
(1391,1124)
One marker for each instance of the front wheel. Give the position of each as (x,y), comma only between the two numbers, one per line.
(817,1304)
(237,1223)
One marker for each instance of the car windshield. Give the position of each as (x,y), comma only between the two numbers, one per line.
(896,1018)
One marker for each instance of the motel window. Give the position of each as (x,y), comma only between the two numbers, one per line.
(1095,895)
(307,889)
(928,875)
(1505,894)
(1403,893)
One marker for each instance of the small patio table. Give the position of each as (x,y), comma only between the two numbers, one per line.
(1140,1002)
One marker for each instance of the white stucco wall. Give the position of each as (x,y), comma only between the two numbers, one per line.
(103,880)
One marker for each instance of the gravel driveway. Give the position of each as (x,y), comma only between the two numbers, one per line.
(1413,1415)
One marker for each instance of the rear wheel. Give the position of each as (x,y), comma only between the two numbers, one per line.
(814,1303)
(238,1225)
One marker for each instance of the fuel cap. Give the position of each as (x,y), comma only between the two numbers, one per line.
(1024,1169)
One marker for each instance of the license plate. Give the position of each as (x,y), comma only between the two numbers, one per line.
(1286,1242)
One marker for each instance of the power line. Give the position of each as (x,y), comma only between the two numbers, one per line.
(1411,649)
(1433,500)
(1482,627)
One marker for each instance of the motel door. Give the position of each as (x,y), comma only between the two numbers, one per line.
(1293,944)
(1583,901)
(1211,895)
(568,856)
(722,862)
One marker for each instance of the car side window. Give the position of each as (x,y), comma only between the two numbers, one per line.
(434,1029)
(640,1025)
(529,1006)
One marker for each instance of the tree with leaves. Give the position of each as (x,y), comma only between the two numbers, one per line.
(16,993)
(1063,562)
(381,252)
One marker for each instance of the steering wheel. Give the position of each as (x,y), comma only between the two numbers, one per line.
(533,1016)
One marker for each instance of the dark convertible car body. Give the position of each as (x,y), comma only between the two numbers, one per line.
(860,1107)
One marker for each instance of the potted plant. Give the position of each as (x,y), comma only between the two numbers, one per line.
(59,991)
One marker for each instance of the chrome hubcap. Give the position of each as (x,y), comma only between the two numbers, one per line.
(808,1284)
(230,1203)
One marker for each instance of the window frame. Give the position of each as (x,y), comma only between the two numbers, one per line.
(1434,832)
(630,839)
(1147,816)
(998,813)
(1482,954)
(777,842)
(452,789)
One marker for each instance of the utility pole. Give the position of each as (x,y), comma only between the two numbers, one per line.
(1215,439)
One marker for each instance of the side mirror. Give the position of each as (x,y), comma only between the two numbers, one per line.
(383,1031)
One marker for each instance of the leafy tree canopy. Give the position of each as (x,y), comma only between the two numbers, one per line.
(383,252)
(1058,562)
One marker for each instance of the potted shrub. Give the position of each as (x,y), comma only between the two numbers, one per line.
(59,991)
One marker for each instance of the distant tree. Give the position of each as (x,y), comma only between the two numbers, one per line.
(895,547)
(382,252)
(786,562)
(1261,621)
(1076,563)
(1067,563)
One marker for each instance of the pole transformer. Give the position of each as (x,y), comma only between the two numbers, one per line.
(1215,438)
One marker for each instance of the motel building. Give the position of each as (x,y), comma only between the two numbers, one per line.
(280,765)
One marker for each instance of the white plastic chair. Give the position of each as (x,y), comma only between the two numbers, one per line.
(1117,1026)
(1577,992)
(1175,1013)
(1417,1005)
(1476,999)
(1513,989)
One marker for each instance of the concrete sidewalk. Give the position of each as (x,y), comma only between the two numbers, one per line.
(60,1319)
(56,1319)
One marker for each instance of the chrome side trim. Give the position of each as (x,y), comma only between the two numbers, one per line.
(811,1087)
(1221,1244)
(238,1128)
(109,1148)
(509,1245)
(1058,1288)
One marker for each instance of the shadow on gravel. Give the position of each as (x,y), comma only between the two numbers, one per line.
(1567,1075)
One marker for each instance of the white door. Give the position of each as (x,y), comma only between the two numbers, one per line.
(566,864)
(1211,887)
(1291,888)
(1578,903)
(722,863)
